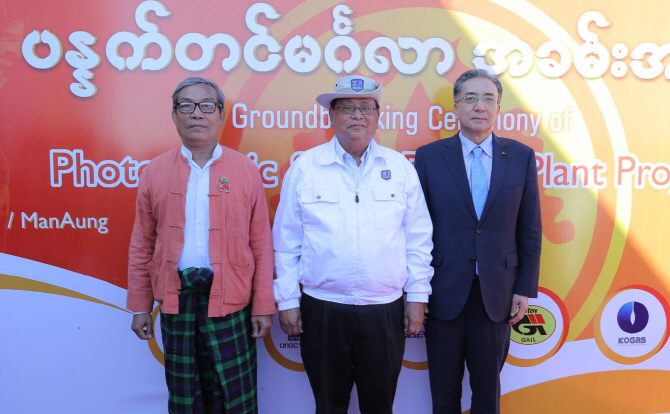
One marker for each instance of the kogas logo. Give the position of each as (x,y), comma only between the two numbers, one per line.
(633,317)
(536,326)
(541,332)
(638,312)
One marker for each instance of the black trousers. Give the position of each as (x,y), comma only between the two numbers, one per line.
(474,339)
(346,344)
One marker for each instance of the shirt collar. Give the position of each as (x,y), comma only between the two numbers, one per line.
(218,150)
(341,153)
(468,146)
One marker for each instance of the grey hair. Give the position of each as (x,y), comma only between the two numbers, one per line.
(194,80)
(476,73)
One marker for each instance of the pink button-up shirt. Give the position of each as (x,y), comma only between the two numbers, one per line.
(240,244)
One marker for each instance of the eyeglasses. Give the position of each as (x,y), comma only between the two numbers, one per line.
(472,100)
(205,107)
(350,109)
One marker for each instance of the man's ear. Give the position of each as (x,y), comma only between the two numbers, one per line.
(174,116)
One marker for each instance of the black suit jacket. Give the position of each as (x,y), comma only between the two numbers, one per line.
(506,241)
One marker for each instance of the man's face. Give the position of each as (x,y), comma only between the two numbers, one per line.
(198,130)
(477,119)
(355,126)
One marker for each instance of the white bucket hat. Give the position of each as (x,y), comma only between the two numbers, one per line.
(352,87)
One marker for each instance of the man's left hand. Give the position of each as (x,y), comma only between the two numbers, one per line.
(261,325)
(519,308)
(414,314)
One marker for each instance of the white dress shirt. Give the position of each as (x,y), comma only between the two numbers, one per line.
(353,235)
(196,230)
(486,158)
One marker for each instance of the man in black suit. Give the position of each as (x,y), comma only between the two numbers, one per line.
(483,198)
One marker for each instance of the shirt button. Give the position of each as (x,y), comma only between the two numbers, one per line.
(479,231)
(392,195)
(318,197)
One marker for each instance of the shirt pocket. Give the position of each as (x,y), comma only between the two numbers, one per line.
(320,209)
(389,206)
(237,220)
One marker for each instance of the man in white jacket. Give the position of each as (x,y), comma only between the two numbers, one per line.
(353,228)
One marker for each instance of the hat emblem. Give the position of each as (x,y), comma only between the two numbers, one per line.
(357,85)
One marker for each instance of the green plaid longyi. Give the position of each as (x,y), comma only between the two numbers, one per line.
(210,363)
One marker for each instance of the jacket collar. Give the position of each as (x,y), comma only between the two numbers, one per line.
(328,153)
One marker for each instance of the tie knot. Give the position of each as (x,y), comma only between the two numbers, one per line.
(477,152)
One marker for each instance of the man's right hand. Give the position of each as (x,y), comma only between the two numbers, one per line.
(291,321)
(143,326)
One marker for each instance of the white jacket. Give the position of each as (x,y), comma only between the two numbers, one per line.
(350,252)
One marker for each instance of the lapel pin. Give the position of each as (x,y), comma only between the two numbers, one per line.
(224,185)
(504,154)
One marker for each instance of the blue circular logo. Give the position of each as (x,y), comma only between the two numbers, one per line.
(633,317)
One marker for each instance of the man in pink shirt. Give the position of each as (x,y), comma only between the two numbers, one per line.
(201,247)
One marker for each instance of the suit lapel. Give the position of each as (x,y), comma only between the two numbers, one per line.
(452,152)
(498,170)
